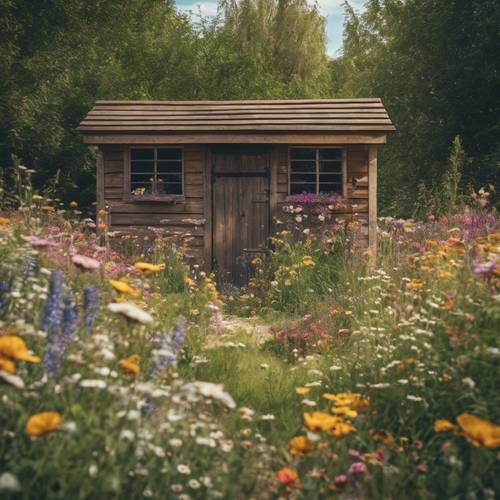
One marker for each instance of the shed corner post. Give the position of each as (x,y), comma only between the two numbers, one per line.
(208,233)
(372,202)
(273,188)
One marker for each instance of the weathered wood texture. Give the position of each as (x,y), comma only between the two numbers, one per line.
(356,185)
(147,117)
(241,212)
(183,221)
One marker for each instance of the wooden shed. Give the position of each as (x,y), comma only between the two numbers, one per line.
(218,172)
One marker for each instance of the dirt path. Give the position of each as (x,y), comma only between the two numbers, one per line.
(225,328)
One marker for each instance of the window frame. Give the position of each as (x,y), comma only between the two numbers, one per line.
(128,196)
(317,148)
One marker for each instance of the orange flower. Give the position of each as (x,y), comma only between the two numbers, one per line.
(4,221)
(300,446)
(479,432)
(131,364)
(351,399)
(14,348)
(43,423)
(7,365)
(303,391)
(288,477)
(414,285)
(441,425)
(383,436)
(73,204)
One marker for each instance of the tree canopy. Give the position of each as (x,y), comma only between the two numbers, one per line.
(433,62)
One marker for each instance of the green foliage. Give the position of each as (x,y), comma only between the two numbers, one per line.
(433,63)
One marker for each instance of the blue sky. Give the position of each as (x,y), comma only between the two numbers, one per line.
(331,9)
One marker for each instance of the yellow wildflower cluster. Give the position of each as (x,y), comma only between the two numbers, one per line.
(477,431)
(12,349)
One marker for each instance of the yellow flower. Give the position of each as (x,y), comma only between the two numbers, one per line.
(307,261)
(444,274)
(383,436)
(414,285)
(352,399)
(73,204)
(405,364)
(425,269)
(441,425)
(145,266)
(479,432)
(48,208)
(300,446)
(343,429)
(303,391)
(43,423)
(7,365)
(344,411)
(131,364)
(101,212)
(122,287)
(14,347)
(320,421)
(4,221)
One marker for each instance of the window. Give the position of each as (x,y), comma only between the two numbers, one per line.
(315,170)
(155,171)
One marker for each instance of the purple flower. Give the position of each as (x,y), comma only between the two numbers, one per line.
(357,468)
(91,296)
(483,268)
(4,292)
(52,314)
(170,344)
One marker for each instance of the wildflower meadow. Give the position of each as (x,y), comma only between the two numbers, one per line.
(333,374)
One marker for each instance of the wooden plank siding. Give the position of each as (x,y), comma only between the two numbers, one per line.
(184,220)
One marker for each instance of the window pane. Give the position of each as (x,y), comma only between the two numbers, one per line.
(329,178)
(302,188)
(330,166)
(172,188)
(303,154)
(144,178)
(303,178)
(330,154)
(165,178)
(142,154)
(334,187)
(303,166)
(145,167)
(169,154)
(170,166)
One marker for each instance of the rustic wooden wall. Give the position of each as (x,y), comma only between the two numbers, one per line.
(184,221)
(189,221)
(356,184)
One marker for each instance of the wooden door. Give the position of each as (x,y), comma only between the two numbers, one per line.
(240,211)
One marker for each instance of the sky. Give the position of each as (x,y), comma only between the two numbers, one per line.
(331,9)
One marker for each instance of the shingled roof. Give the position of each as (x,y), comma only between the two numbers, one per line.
(323,115)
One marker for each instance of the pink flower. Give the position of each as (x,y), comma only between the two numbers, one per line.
(84,262)
(470,317)
(418,444)
(37,242)
(357,468)
(340,480)
(422,468)
(379,455)
(355,453)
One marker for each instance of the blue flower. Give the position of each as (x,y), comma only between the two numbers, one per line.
(90,305)
(52,314)
(170,344)
(4,294)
